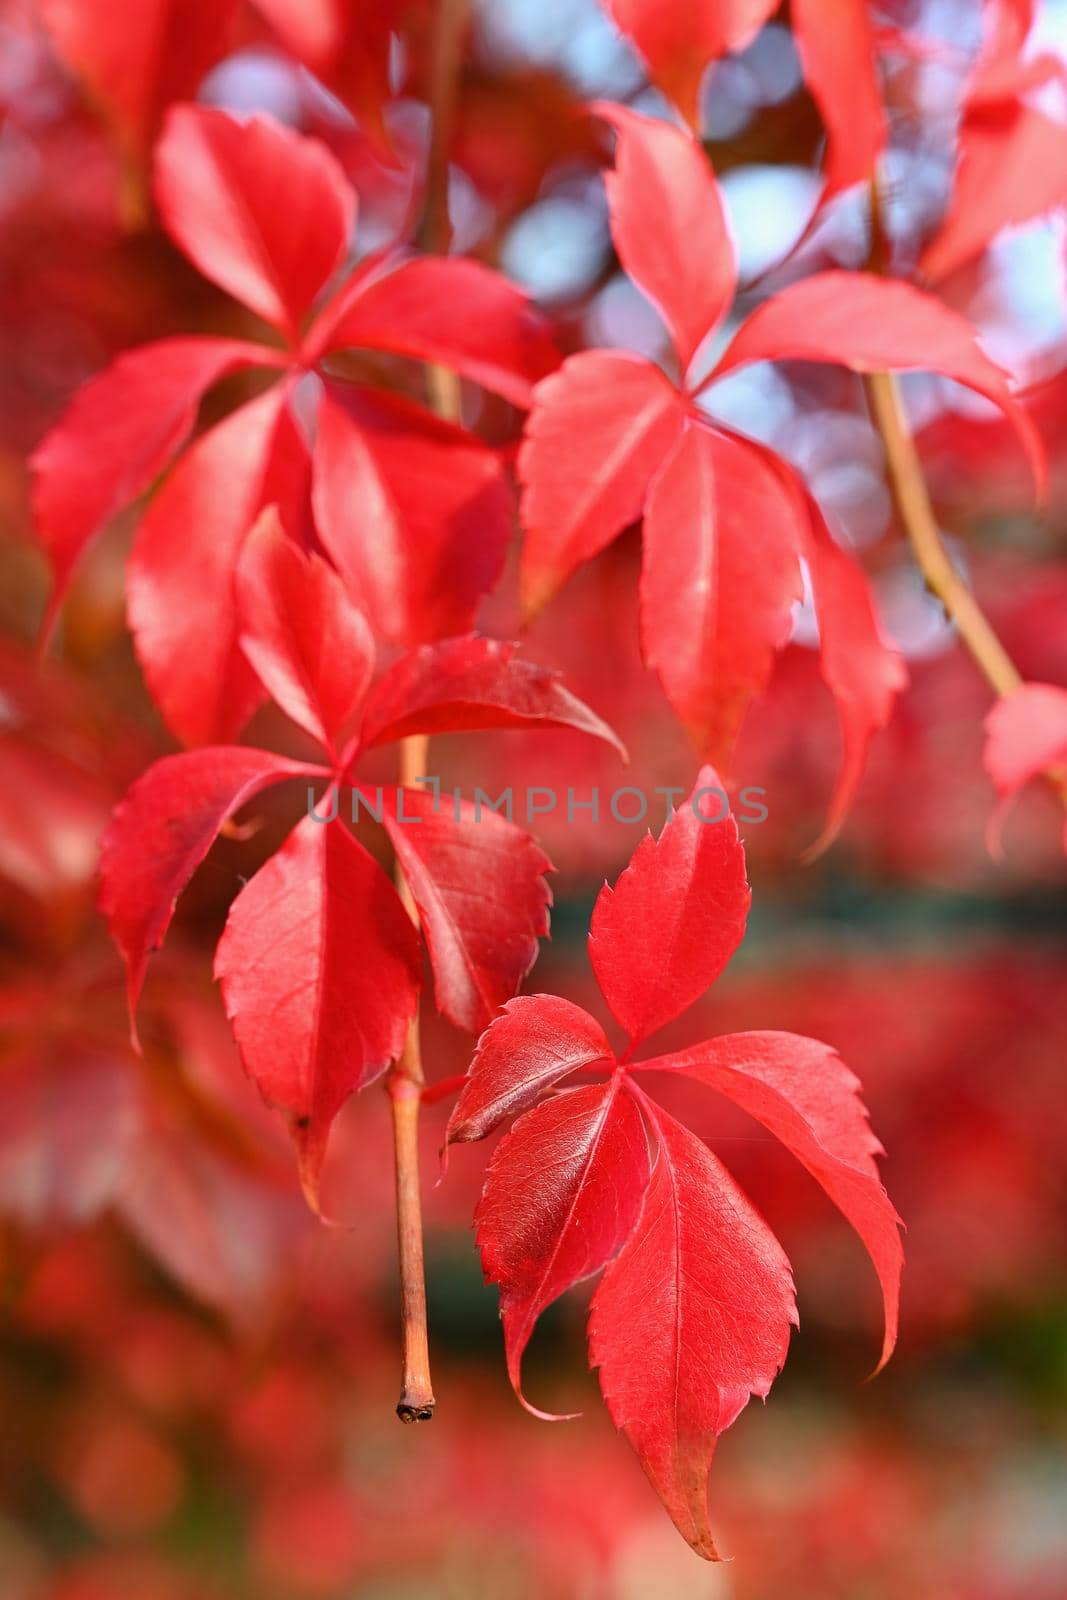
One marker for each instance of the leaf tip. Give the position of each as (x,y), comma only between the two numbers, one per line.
(134,984)
(825,840)
(515,1374)
(310,1156)
(546,1416)
(889,1344)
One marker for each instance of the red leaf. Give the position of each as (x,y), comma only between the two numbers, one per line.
(1011,157)
(348,45)
(690,1319)
(693,1314)
(715,610)
(69,1125)
(450,311)
(874,324)
(998,68)
(135,60)
(118,434)
(49,848)
(415,513)
(1026,735)
(805,1095)
(223,1230)
(479,884)
(160,833)
(598,432)
(211,1067)
(320,968)
(674,918)
(472,683)
(679,38)
(861,671)
(562,1195)
(835,41)
(684,261)
(537,1040)
(312,30)
(181,595)
(309,644)
(263,212)
(1012,167)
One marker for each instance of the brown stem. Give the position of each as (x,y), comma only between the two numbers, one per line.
(912,500)
(404,1086)
(406,1078)
(443,392)
(416,1403)
(436,232)
(414,753)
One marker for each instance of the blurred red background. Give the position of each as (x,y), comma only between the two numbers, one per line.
(196,1377)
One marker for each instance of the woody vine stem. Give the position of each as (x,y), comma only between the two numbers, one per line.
(911,499)
(406,1078)
(404,1085)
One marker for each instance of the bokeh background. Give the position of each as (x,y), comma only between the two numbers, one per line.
(196,1378)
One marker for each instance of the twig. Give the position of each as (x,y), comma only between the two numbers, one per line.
(404,1086)
(912,500)
(436,230)
(911,497)
(406,1078)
